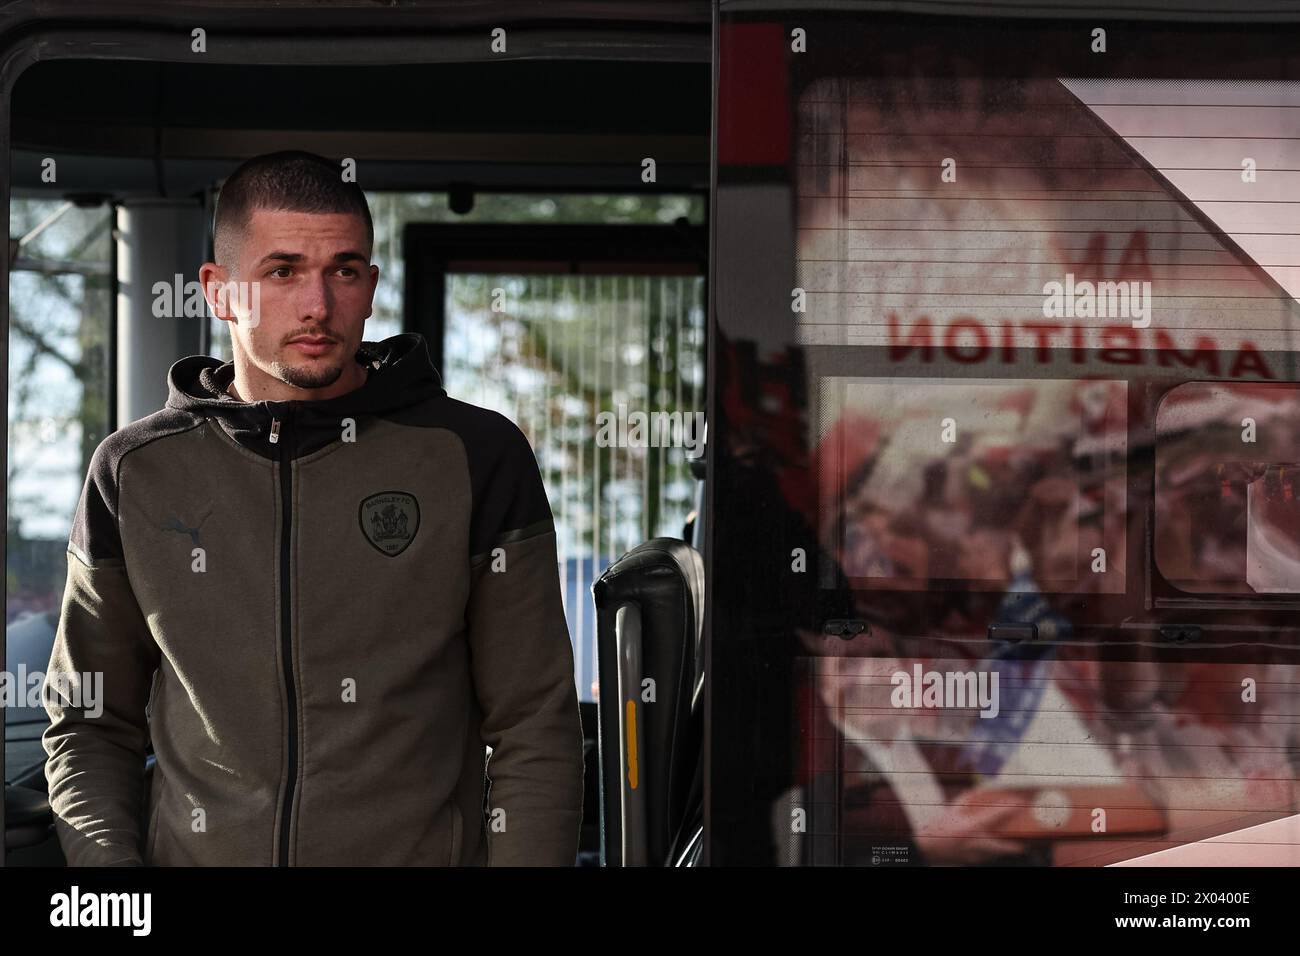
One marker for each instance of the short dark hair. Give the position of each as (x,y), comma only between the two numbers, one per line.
(292,180)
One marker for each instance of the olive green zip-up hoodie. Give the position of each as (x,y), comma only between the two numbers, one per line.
(320,613)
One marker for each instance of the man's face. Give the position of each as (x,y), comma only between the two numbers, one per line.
(315,288)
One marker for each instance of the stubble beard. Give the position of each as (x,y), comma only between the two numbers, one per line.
(307,377)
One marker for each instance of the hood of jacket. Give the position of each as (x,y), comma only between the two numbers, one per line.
(400,374)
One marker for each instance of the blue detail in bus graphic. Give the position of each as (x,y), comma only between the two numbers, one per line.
(1021,682)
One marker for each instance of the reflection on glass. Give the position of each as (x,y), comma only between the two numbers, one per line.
(60,311)
(1227,509)
(1085,762)
(998,485)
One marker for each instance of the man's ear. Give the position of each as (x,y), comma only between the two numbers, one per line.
(213,279)
(374,284)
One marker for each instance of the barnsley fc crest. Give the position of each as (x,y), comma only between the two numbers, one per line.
(389,521)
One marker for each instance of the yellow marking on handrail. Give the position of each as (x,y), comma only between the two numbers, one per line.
(631,744)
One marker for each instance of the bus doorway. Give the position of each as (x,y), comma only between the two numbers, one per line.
(552,254)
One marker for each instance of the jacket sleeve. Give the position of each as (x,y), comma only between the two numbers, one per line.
(522,665)
(97,688)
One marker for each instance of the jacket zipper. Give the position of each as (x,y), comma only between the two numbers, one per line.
(286,631)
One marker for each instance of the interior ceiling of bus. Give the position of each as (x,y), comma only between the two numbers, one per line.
(1181,10)
(137,129)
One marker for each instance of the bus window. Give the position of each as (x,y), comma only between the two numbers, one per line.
(1228,488)
(974,483)
(993,317)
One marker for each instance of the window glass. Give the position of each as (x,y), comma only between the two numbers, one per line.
(992,485)
(1228,488)
(60,317)
(968,216)
(604,374)
(980,227)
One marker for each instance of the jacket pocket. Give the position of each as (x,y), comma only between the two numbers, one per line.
(152,839)
(456,837)
(153,693)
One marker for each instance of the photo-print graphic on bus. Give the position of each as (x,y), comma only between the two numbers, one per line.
(951,216)
(1038,317)
(1228,488)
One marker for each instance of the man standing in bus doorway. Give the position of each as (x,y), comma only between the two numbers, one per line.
(318,583)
